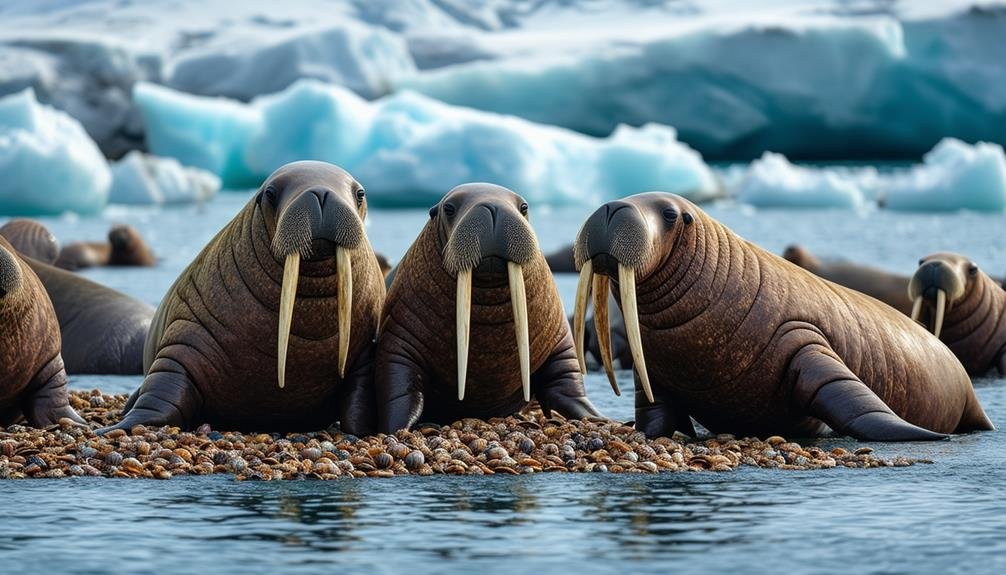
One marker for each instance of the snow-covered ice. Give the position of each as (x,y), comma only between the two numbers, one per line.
(408,149)
(48,163)
(772,182)
(142,179)
(953,176)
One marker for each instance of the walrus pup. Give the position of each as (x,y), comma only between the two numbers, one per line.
(32,239)
(887,287)
(272,326)
(473,325)
(965,308)
(125,247)
(750,344)
(32,377)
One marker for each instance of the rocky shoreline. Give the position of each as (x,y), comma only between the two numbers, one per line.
(528,443)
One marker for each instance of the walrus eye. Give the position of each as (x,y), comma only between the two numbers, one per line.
(687,217)
(360,194)
(670,216)
(270,194)
(972,270)
(523,208)
(449,210)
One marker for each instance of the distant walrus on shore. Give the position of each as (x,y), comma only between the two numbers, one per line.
(125,247)
(965,307)
(887,287)
(750,344)
(272,327)
(473,325)
(32,377)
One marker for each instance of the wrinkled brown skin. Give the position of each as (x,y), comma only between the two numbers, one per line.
(887,287)
(32,378)
(211,354)
(125,247)
(31,239)
(974,324)
(748,343)
(416,375)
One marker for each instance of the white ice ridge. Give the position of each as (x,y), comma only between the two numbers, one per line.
(408,149)
(143,179)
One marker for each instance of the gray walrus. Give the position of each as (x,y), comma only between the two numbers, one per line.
(748,343)
(473,325)
(32,378)
(965,307)
(272,326)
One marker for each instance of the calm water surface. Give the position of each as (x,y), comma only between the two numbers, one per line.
(948,517)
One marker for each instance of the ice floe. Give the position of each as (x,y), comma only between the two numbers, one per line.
(143,179)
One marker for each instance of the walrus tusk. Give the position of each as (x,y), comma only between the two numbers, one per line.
(344,267)
(518,298)
(601,326)
(917,308)
(464,310)
(941,307)
(580,311)
(627,286)
(287,296)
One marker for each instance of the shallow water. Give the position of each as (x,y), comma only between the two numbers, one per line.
(941,518)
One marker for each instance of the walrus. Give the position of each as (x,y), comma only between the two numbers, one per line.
(750,344)
(31,239)
(561,260)
(125,247)
(32,377)
(272,326)
(965,307)
(885,286)
(473,325)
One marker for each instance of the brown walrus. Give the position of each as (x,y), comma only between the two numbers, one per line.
(748,343)
(31,239)
(32,377)
(475,275)
(885,286)
(272,326)
(966,308)
(125,247)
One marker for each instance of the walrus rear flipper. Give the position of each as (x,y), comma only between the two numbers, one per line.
(826,389)
(662,417)
(48,403)
(558,385)
(164,398)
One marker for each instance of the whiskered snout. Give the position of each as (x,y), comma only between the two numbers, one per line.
(10,273)
(314,223)
(935,282)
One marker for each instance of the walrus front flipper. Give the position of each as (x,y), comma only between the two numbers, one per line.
(48,402)
(558,384)
(662,417)
(357,412)
(826,389)
(166,397)
(399,385)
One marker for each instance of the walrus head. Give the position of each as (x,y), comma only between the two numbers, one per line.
(942,280)
(484,235)
(626,240)
(800,256)
(31,239)
(313,211)
(128,247)
(10,274)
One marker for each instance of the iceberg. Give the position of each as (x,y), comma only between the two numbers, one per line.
(772,181)
(142,180)
(408,149)
(49,163)
(953,176)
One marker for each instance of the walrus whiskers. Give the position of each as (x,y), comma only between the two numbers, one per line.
(464,316)
(627,285)
(287,297)
(603,329)
(580,311)
(518,298)
(344,265)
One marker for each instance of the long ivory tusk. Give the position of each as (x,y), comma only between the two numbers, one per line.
(941,307)
(344,267)
(917,308)
(287,297)
(627,286)
(518,298)
(464,310)
(580,311)
(602,327)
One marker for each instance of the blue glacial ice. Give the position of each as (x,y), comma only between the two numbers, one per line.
(48,162)
(772,182)
(141,179)
(953,176)
(408,149)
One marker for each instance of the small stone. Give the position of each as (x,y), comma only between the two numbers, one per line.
(775,440)
(384,460)
(113,459)
(595,444)
(527,445)
(496,453)
(204,429)
(864,451)
(415,460)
